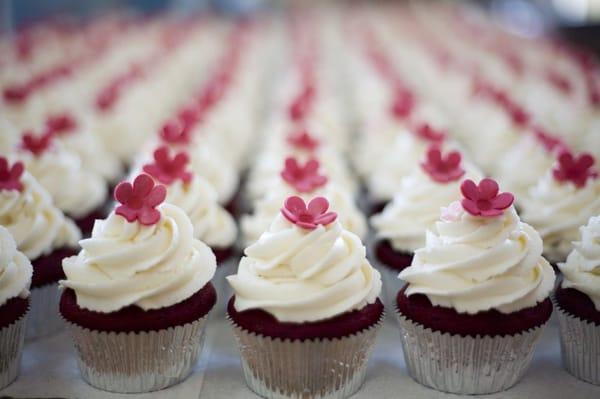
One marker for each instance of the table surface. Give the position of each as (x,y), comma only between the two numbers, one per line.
(49,371)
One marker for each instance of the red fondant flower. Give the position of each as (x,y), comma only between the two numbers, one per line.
(17,93)
(166,169)
(303,140)
(426,132)
(403,104)
(301,104)
(483,199)
(308,217)
(174,132)
(60,124)
(304,179)
(577,170)
(442,169)
(138,201)
(10,176)
(36,144)
(549,141)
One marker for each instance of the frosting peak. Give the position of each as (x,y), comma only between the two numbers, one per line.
(15,269)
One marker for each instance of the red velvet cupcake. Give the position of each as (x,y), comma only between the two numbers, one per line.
(140,288)
(578,305)
(15,278)
(477,296)
(300,300)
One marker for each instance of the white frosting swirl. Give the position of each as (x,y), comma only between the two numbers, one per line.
(151,267)
(36,224)
(475,264)
(75,190)
(557,210)
(415,209)
(582,269)
(15,269)
(300,275)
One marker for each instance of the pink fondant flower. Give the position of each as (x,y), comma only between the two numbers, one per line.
(303,140)
(403,104)
(10,176)
(426,132)
(60,124)
(304,179)
(166,169)
(37,145)
(174,132)
(483,199)
(443,169)
(577,170)
(139,200)
(308,217)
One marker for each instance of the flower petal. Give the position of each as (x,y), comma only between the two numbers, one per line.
(123,192)
(295,205)
(148,216)
(488,188)
(503,201)
(156,196)
(469,190)
(129,214)
(142,185)
(318,206)
(326,218)
(470,206)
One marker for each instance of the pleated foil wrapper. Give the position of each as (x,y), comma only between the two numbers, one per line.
(44,318)
(137,362)
(466,365)
(579,346)
(12,338)
(299,369)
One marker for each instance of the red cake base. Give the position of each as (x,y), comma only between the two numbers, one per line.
(392,258)
(577,304)
(419,309)
(135,319)
(86,223)
(12,310)
(375,207)
(222,254)
(47,269)
(260,322)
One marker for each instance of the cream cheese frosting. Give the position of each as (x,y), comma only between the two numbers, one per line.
(15,269)
(300,275)
(149,266)
(35,223)
(557,210)
(582,269)
(75,190)
(475,264)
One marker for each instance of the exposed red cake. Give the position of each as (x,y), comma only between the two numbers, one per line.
(86,223)
(375,207)
(222,254)
(12,310)
(419,309)
(47,269)
(577,304)
(135,319)
(263,323)
(387,255)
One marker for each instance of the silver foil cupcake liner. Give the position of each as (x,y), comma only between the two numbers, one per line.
(44,318)
(298,369)
(579,346)
(137,362)
(465,365)
(11,349)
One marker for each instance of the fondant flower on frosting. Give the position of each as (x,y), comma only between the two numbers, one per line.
(139,200)
(166,169)
(303,140)
(304,179)
(60,124)
(577,170)
(483,199)
(426,132)
(300,106)
(403,104)
(549,141)
(36,144)
(308,217)
(10,176)
(443,169)
(175,132)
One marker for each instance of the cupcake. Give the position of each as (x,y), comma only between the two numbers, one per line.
(140,290)
(302,180)
(44,235)
(562,201)
(400,228)
(213,225)
(15,279)
(578,305)
(305,311)
(477,296)
(77,192)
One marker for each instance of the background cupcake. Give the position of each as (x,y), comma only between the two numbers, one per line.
(477,296)
(140,289)
(43,234)
(578,305)
(15,279)
(305,311)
